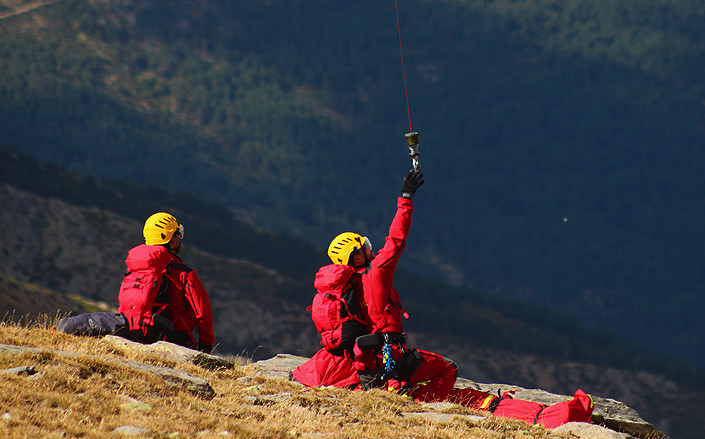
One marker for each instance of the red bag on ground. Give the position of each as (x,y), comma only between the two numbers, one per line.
(578,409)
(520,409)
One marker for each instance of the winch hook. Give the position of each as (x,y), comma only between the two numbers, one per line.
(412,141)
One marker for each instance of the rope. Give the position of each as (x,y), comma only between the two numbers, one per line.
(401,51)
(389,362)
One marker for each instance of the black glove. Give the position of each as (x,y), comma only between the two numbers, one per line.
(206,349)
(412,181)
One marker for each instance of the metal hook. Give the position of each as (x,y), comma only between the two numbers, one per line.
(412,141)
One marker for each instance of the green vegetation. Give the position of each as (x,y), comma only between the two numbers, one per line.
(562,139)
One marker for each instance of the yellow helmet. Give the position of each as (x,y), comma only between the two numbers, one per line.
(160,227)
(344,245)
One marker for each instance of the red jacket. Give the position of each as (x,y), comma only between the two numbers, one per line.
(189,304)
(381,301)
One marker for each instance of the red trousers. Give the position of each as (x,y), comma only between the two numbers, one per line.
(433,380)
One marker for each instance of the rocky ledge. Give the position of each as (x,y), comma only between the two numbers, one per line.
(611,419)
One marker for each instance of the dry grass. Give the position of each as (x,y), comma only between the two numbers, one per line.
(88,396)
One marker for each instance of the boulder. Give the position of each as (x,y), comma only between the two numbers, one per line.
(175,377)
(171,351)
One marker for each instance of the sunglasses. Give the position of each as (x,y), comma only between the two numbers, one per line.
(367,243)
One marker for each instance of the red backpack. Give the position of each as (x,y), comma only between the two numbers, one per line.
(336,314)
(144,295)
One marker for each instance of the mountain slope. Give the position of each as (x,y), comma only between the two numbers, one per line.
(562,140)
(67,243)
(63,234)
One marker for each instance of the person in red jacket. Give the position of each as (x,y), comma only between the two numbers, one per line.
(381,358)
(185,302)
(385,357)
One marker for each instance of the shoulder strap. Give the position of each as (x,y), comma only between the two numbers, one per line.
(185,268)
(353,314)
(180,266)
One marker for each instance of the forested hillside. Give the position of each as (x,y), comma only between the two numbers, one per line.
(562,140)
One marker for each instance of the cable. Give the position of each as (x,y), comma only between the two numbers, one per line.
(401,51)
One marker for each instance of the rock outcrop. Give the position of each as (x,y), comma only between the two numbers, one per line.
(608,414)
(611,419)
(169,375)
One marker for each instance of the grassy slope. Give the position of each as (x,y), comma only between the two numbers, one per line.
(89,396)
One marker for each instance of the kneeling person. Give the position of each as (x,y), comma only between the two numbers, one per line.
(381,358)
